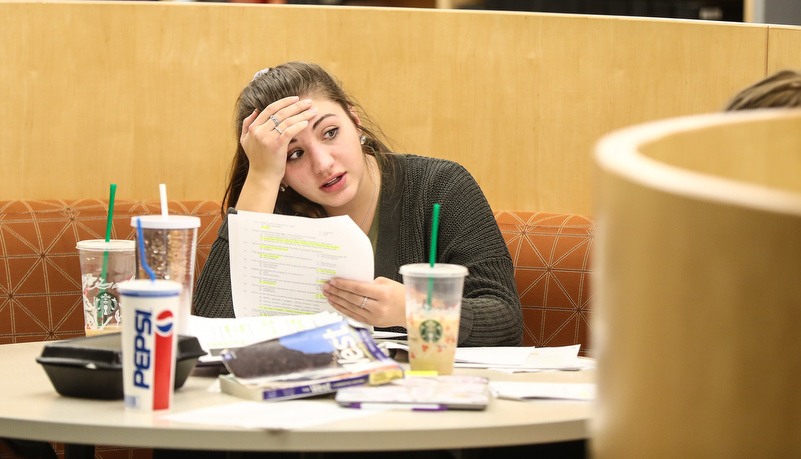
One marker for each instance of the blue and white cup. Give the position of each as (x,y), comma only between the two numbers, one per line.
(149,342)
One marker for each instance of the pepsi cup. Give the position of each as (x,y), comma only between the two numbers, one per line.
(149,342)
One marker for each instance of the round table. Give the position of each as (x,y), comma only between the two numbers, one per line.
(31,409)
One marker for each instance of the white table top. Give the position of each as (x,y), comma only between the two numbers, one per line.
(31,409)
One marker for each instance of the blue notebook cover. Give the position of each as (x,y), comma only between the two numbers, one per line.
(317,361)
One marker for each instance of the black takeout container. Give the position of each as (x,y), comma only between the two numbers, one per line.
(91,367)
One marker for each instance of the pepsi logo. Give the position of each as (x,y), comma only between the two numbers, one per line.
(164,323)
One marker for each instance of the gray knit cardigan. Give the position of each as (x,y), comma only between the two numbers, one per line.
(468,235)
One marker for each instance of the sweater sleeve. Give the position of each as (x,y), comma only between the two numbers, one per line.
(469,236)
(491,309)
(212,296)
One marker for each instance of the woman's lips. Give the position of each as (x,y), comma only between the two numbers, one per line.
(334,184)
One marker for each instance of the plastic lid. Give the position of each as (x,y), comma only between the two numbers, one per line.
(100,245)
(438,270)
(166,222)
(150,288)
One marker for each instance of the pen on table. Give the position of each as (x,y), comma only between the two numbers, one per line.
(398,406)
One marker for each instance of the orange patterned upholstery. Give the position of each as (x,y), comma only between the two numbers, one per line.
(552,255)
(40,290)
(40,286)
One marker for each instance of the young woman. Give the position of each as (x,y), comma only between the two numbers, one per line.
(306,149)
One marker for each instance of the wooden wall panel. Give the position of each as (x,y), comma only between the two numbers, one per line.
(143,93)
(784,48)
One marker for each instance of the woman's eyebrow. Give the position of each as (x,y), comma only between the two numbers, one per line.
(314,126)
(320,120)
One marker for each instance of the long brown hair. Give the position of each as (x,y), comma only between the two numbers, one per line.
(782,89)
(293,79)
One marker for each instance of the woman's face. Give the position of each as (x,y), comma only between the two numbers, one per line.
(325,162)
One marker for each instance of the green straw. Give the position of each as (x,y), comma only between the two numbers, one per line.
(104,273)
(432,255)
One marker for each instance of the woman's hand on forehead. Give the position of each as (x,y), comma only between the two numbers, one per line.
(266,134)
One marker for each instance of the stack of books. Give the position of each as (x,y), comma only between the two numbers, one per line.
(311,362)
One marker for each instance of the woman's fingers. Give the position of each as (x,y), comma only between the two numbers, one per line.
(344,300)
(348,291)
(380,303)
(281,112)
(286,118)
(246,124)
(273,108)
(294,118)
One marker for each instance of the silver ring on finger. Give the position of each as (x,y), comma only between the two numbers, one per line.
(279,131)
(275,120)
(364,302)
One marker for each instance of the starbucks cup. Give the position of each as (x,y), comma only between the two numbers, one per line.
(433,310)
(170,243)
(149,342)
(104,264)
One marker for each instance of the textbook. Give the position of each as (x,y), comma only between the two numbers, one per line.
(311,362)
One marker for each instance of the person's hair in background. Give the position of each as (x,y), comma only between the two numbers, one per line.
(293,79)
(782,89)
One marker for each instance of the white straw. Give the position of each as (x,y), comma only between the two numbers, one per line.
(163,194)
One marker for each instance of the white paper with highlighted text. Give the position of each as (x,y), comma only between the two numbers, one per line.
(279,263)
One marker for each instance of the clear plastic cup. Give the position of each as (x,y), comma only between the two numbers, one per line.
(104,265)
(170,247)
(433,310)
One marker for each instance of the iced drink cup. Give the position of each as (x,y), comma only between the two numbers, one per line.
(149,342)
(170,244)
(103,266)
(433,308)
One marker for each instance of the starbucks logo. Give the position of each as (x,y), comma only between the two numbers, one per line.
(105,305)
(431,331)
